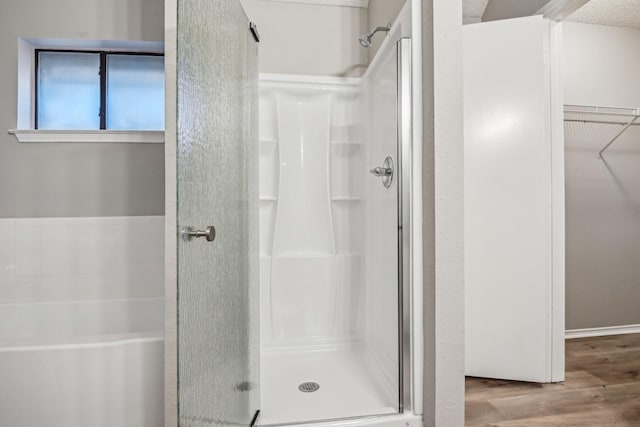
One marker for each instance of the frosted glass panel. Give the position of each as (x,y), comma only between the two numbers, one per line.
(68,90)
(135,92)
(218,346)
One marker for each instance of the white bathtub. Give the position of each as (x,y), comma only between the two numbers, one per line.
(82,364)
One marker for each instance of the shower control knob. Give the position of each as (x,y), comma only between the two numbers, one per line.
(189,233)
(382,171)
(385,172)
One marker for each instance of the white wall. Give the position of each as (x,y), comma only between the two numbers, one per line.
(602,67)
(299,38)
(47,263)
(46,180)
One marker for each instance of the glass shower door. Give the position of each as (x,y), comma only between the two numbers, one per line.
(218,329)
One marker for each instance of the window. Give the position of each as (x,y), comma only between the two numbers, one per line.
(92,90)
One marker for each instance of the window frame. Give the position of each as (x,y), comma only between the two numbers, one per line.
(104,54)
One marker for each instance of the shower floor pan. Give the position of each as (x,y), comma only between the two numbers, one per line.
(346,388)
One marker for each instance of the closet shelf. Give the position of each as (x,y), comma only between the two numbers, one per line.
(629,117)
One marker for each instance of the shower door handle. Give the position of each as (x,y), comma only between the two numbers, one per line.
(385,172)
(189,233)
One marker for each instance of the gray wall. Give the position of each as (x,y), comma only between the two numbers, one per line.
(318,39)
(51,180)
(298,38)
(507,9)
(602,198)
(379,14)
(442,148)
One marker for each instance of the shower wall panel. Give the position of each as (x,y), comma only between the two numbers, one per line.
(311,212)
(303,225)
(381,226)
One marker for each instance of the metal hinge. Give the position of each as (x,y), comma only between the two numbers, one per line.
(254,31)
(254,420)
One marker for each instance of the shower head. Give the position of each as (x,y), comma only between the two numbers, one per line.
(365,39)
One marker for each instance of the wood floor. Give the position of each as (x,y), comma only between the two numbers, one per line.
(602,388)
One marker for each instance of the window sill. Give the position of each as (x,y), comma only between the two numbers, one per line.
(89,136)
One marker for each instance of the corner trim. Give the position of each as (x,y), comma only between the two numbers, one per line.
(89,136)
(602,332)
(558,223)
(341,3)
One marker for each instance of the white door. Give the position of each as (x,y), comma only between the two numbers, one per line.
(514,201)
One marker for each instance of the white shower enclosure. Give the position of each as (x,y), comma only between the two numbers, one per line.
(293,253)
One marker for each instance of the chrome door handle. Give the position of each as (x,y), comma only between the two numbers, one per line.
(381,171)
(385,172)
(189,233)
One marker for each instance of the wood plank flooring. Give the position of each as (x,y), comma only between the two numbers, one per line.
(602,389)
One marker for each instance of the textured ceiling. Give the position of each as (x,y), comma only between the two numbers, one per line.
(618,13)
(474,8)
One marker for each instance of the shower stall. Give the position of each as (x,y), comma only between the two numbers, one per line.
(292,227)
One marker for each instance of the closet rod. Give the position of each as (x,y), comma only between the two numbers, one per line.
(615,138)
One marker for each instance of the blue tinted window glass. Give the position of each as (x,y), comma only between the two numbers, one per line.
(68,90)
(135,92)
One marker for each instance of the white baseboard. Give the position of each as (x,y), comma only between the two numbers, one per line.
(601,332)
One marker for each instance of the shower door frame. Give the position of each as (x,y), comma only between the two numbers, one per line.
(405,244)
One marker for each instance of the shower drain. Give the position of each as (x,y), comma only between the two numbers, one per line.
(308,387)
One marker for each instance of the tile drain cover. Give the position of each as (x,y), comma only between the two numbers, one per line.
(308,387)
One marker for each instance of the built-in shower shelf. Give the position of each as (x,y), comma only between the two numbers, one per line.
(268,199)
(266,255)
(346,199)
(346,143)
(268,141)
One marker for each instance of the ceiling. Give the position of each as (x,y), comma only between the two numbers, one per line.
(472,10)
(618,13)
(505,9)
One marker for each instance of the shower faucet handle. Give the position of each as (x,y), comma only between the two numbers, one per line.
(189,233)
